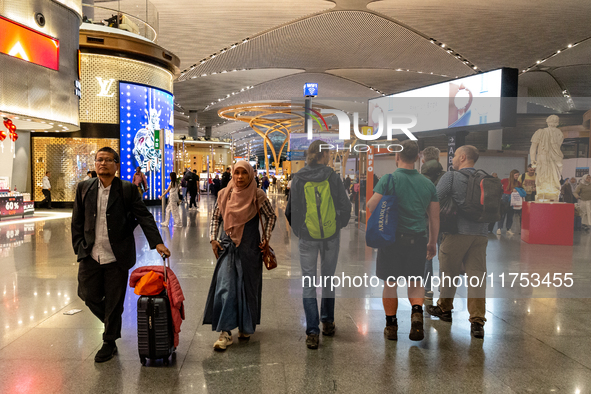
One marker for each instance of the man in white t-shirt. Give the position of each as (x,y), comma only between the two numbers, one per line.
(46,190)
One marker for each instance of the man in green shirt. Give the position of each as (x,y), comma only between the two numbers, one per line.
(417,200)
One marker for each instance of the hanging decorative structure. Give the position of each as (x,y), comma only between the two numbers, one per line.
(11,134)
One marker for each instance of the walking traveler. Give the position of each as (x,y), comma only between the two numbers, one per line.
(466,250)
(46,190)
(226,177)
(318,229)
(433,170)
(583,193)
(139,180)
(106,211)
(173,203)
(234,298)
(509,185)
(417,200)
(193,188)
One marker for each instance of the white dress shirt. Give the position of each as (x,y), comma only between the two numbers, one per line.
(101,250)
(46,184)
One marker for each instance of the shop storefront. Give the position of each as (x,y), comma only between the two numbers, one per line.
(39,90)
(126,103)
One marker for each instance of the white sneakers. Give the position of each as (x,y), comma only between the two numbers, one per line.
(164,224)
(509,232)
(223,342)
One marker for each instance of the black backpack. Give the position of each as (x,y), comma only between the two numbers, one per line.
(483,197)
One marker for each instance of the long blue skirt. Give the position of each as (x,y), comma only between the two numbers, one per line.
(234,299)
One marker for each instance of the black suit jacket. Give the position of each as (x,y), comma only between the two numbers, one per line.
(120,220)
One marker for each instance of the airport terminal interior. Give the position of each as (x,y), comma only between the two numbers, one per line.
(152,91)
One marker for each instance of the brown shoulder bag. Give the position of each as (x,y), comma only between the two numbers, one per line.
(269,257)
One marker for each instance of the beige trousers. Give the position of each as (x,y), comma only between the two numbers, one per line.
(463,253)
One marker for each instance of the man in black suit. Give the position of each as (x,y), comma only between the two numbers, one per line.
(193,188)
(106,211)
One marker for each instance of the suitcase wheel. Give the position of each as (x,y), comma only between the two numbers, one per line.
(143,360)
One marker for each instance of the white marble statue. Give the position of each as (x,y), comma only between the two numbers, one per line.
(546,158)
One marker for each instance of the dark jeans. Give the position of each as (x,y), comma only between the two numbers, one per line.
(193,193)
(329,255)
(509,215)
(102,288)
(47,199)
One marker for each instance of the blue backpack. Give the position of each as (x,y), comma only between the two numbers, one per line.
(382,224)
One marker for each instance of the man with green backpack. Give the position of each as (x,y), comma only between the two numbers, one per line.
(317,209)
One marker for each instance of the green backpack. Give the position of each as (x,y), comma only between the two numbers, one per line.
(320,212)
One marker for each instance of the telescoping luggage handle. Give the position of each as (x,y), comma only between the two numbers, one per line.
(166,263)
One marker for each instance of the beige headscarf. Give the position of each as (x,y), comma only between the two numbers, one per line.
(237,205)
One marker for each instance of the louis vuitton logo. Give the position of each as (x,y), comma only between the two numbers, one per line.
(105,85)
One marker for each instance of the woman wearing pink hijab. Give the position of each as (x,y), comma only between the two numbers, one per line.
(234,299)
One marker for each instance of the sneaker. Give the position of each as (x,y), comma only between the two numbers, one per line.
(164,224)
(223,342)
(477,330)
(106,353)
(391,333)
(243,337)
(509,232)
(312,341)
(178,225)
(435,310)
(499,232)
(328,328)
(416,327)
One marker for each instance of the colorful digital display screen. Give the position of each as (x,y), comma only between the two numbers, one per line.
(143,112)
(19,41)
(463,102)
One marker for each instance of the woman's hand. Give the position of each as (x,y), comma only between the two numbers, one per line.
(217,248)
(160,197)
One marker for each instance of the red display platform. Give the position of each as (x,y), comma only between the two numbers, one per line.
(548,223)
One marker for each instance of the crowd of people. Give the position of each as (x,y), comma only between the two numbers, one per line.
(319,205)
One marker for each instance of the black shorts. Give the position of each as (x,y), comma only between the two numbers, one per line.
(405,257)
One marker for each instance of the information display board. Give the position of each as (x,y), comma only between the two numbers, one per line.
(477,102)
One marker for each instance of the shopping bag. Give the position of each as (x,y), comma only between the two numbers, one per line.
(516,200)
(382,224)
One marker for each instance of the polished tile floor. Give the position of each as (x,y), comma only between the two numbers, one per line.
(532,344)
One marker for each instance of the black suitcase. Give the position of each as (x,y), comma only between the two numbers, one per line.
(154,328)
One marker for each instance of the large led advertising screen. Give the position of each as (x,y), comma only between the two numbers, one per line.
(480,101)
(143,112)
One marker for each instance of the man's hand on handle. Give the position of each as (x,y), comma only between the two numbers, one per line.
(163,250)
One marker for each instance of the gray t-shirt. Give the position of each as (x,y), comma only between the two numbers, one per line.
(457,185)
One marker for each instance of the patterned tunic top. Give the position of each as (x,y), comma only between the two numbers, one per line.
(266,210)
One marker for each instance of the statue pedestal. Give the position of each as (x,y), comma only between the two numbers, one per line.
(548,223)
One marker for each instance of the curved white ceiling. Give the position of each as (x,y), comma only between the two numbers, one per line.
(359,44)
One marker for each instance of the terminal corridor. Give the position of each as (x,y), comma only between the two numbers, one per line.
(531,344)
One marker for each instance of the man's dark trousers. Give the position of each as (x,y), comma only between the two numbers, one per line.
(47,199)
(192,202)
(102,287)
